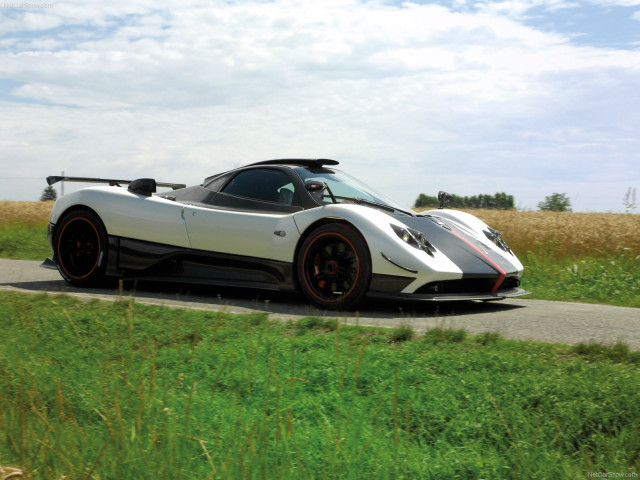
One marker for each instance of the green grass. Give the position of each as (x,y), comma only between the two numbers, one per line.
(124,391)
(602,278)
(24,242)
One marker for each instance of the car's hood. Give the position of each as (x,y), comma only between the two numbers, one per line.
(473,254)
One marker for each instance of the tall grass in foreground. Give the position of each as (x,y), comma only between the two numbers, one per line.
(115,391)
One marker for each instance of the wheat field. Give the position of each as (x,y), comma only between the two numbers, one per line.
(566,234)
(28,213)
(563,233)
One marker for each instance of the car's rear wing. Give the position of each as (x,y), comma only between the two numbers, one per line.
(111,181)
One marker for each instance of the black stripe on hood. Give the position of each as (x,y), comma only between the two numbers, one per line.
(470,255)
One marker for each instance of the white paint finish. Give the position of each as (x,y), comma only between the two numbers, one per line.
(157,219)
(242,233)
(375,227)
(126,214)
(474,227)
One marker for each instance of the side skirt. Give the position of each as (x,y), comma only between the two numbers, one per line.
(129,258)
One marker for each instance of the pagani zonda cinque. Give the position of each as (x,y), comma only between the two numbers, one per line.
(284,225)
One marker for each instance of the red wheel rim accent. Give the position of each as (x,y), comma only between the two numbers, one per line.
(82,248)
(330,267)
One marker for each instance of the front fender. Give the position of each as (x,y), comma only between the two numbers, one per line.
(389,254)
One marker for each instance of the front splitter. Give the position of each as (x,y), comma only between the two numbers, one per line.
(449,297)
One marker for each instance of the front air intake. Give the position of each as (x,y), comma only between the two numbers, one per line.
(467,286)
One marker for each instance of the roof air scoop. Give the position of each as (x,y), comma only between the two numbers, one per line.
(143,186)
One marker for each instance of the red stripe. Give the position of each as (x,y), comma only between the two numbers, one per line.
(491,262)
(99,247)
(310,289)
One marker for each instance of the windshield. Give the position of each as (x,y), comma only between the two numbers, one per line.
(345,188)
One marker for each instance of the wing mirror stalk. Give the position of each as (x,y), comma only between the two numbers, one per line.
(314,186)
(443,197)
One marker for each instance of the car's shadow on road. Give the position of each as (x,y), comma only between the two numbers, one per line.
(292,304)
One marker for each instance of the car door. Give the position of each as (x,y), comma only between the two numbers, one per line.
(251,216)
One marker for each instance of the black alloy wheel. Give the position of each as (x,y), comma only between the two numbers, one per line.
(334,267)
(80,248)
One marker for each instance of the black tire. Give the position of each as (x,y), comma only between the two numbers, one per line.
(80,247)
(334,267)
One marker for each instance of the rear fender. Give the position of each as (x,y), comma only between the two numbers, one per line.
(127,214)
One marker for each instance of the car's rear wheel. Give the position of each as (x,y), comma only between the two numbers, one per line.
(80,248)
(333,267)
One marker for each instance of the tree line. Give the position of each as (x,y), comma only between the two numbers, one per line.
(499,201)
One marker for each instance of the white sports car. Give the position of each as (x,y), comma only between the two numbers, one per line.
(281,224)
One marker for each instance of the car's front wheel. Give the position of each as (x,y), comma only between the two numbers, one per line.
(80,248)
(333,267)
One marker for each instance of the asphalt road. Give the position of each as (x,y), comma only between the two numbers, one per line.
(554,322)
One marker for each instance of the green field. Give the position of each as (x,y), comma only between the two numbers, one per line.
(123,391)
(24,242)
(606,278)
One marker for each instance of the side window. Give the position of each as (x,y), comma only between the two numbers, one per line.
(264,184)
(215,184)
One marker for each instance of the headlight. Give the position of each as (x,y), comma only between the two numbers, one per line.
(414,238)
(496,237)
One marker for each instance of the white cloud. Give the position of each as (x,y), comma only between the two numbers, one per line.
(475,99)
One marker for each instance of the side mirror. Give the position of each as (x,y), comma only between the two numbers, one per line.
(314,186)
(143,186)
(443,197)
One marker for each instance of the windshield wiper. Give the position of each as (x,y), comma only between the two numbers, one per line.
(371,203)
(406,212)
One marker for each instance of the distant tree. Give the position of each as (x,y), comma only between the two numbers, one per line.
(426,201)
(49,193)
(500,201)
(556,202)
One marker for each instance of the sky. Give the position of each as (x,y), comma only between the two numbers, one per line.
(527,97)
